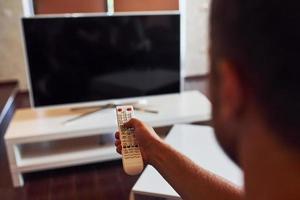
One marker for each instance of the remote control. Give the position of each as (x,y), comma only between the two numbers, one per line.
(131,155)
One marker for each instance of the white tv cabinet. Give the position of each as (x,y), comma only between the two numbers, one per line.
(39,139)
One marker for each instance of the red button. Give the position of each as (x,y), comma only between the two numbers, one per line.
(129,109)
(119,109)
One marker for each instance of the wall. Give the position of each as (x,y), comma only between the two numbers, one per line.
(195,36)
(12,64)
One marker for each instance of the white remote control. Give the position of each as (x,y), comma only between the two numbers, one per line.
(131,155)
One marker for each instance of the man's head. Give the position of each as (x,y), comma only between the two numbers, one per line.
(255,60)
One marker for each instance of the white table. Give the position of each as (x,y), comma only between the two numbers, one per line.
(38,139)
(199,144)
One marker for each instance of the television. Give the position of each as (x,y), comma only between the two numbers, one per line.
(85,58)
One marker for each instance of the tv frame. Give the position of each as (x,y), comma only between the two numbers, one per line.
(99,102)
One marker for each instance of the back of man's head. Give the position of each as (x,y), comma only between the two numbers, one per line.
(262,38)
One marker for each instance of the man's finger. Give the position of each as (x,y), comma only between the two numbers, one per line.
(117,135)
(117,143)
(132,123)
(119,149)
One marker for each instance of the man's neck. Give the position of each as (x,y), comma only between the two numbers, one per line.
(272,169)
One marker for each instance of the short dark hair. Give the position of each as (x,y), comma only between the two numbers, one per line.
(262,38)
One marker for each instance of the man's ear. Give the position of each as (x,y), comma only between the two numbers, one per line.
(230,90)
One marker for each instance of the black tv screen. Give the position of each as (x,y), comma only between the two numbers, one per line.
(92,58)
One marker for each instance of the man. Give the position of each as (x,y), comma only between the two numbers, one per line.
(255,51)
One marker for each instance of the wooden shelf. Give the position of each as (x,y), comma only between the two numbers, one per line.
(47,155)
(39,139)
(69,6)
(145,5)
(79,6)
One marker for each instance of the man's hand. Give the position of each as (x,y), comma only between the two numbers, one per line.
(146,138)
(187,178)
